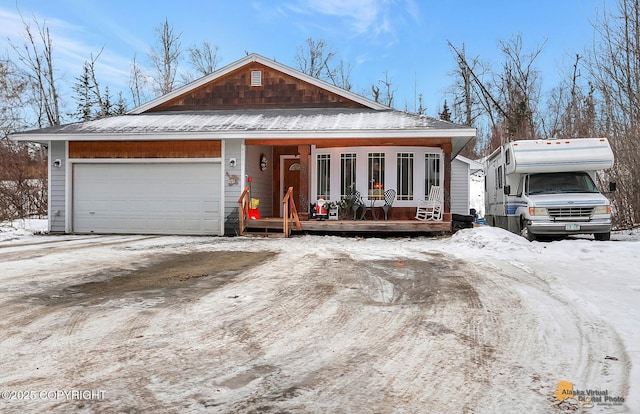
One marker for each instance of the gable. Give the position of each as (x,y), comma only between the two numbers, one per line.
(234,90)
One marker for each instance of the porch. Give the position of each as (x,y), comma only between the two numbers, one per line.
(291,222)
(273,226)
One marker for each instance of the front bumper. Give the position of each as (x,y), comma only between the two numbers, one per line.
(560,227)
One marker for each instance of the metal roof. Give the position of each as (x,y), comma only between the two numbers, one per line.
(258,123)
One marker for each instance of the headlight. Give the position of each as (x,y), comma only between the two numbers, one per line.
(538,211)
(602,210)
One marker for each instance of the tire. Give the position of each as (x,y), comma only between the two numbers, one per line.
(602,236)
(524,231)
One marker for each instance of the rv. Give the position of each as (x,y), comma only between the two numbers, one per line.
(547,187)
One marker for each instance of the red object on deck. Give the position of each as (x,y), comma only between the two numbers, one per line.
(254,214)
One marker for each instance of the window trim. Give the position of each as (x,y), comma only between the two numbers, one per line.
(390,168)
(256,78)
(410,157)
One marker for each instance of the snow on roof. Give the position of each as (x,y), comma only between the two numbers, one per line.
(276,120)
(474,166)
(258,124)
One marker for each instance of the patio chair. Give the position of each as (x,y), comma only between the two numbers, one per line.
(389,197)
(431,208)
(355,201)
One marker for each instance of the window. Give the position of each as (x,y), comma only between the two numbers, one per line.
(560,183)
(323,176)
(499,177)
(431,172)
(256,78)
(347,174)
(376,176)
(405,176)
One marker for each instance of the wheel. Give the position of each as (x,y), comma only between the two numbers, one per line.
(524,231)
(602,236)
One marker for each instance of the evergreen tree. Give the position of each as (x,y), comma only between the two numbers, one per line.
(107,108)
(445,115)
(84,96)
(121,106)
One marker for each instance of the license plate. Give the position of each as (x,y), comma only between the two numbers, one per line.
(572,226)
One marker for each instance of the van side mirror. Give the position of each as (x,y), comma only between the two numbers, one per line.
(612,186)
(507,189)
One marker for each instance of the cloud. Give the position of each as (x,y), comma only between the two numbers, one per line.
(70,50)
(361,15)
(380,19)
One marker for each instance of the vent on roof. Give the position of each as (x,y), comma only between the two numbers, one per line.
(256,78)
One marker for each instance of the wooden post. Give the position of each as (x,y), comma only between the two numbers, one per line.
(447,148)
(304,151)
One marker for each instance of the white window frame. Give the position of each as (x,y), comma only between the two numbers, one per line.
(326,164)
(362,154)
(256,78)
(409,157)
(348,156)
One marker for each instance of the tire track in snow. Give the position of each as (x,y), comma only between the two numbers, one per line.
(28,251)
(548,338)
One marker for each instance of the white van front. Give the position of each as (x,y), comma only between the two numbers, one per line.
(563,203)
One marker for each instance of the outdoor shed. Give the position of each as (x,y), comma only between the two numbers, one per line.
(462,168)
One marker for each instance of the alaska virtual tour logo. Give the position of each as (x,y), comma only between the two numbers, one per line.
(587,398)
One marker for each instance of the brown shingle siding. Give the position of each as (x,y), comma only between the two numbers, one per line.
(234,91)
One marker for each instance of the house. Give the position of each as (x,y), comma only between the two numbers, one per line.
(178,164)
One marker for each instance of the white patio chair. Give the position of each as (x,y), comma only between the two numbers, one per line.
(431,208)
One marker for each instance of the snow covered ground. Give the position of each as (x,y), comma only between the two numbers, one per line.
(483,321)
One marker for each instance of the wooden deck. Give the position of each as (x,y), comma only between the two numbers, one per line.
(367,227)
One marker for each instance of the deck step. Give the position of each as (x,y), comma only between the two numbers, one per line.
(263,235)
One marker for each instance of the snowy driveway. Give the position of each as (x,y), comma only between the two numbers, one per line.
(481,322)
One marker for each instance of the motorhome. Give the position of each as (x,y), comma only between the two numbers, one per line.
(547,187)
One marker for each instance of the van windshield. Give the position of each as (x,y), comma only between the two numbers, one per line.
(562,182)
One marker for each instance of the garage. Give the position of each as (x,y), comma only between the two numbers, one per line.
(147,198)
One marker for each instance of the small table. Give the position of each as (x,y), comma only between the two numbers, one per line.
(372,208)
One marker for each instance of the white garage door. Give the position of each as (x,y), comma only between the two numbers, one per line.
(147,198)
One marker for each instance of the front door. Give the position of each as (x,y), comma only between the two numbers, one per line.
(291,178)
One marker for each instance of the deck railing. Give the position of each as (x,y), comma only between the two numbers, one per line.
(243,210)
(289,213)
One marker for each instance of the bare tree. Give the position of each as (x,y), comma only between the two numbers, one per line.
(466,104)
(571,108)
(614,66)
(509,99)
(23,168)
(341,75)
(375,91)
(23,181)
(314,59)
(138,84)
(13,87)
(165,57)
(386,94)
(520,88)
(204,58)
(36,55)
(473,93)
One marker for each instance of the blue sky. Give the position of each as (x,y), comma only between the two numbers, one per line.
(407,38)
